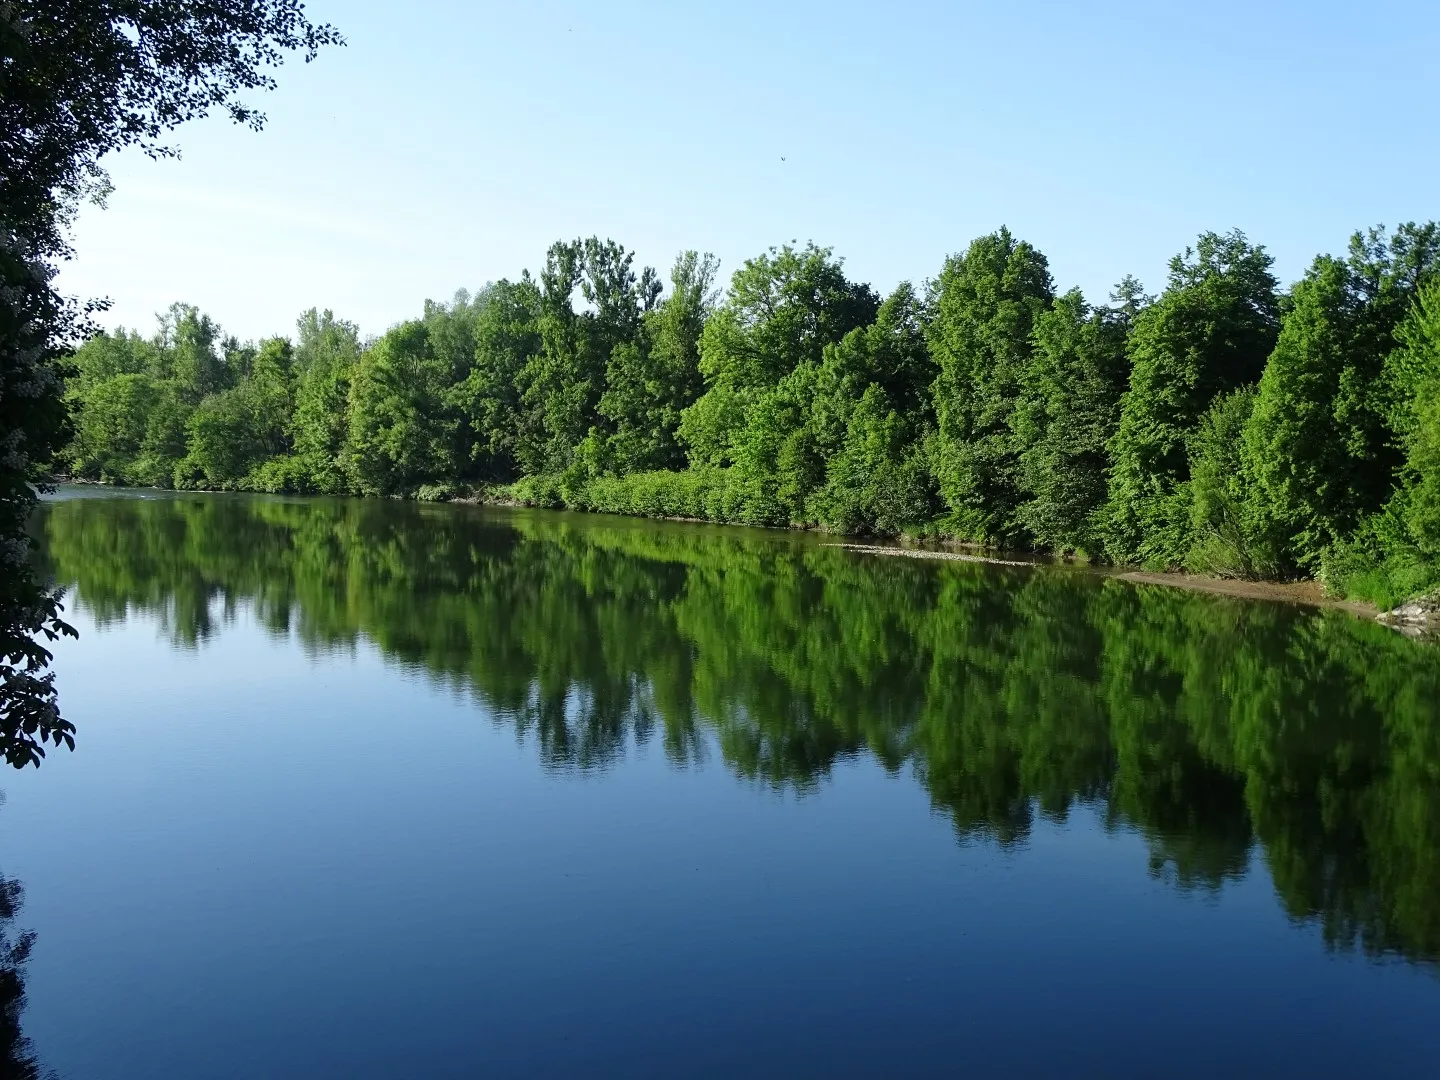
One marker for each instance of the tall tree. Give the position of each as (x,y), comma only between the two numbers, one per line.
(79,79)
(112,420)
(986,305)
(1209,333)
(220,442)
(566,379)
(891,353)
(1232,527)
(189,354)
(326,356)
(1414,376)
(652,379)
(775,452)
(783,308)
(873,421)
(234,431)
(110,393)
(451,330)
(270,393)
(402,432)
(1319,441)
(1068,412)
(506,338)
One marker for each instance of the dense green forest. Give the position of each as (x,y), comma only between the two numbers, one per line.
(1225,425)
(1222,731)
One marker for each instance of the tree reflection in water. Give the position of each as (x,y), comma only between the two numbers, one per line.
(17,1057)
(1222,731)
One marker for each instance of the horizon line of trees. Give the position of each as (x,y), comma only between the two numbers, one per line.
(1224,425)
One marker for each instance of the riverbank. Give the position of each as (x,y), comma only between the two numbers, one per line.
(1308,593)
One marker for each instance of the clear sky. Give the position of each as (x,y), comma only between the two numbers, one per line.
(449,143)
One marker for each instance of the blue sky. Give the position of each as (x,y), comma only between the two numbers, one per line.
(449,143)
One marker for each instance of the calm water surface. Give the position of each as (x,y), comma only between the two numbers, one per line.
(369,789)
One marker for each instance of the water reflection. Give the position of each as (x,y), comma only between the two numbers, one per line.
(17,1056)
(1221,730)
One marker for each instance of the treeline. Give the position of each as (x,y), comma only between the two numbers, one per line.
(1225,425)
(1223,731)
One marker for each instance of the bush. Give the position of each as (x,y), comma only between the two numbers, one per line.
(438,493)
(1380,563)
(287,474)
(708,494)
(542,490)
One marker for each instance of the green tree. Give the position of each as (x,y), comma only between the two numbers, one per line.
(880,480)
(1319,444)
(782,309)
(1232,530)
(506,338)
(129,416)
(112,419)
(1416,374)
(651,380)
(269,391)
(564,381)
(105,356)
(110,392)
(401,432)
(1395,554)
(873,423)
(326,356)
(1068,411)
(891,353)
(166,435)
(1209,333)
(451,329)
(221,443)
(775,453)
(188,354)
(986,304)
(232,433)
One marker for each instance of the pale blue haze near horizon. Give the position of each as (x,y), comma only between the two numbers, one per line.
(450,143)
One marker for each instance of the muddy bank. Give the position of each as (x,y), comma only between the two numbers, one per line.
(1310,593)
(928,553)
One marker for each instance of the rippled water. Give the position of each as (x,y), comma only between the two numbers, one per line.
(372,789)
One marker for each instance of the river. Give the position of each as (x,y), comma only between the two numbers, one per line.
(379,789)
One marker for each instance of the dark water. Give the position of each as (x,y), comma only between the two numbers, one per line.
(370,789)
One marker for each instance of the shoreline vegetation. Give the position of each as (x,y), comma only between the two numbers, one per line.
(1286,441)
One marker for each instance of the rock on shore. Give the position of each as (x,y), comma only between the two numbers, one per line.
(1417,617)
